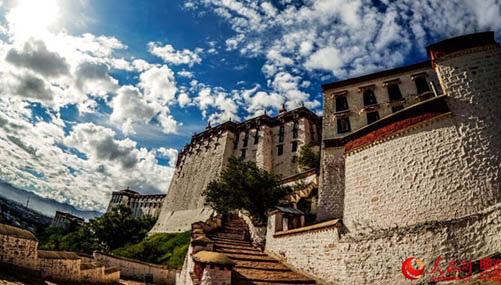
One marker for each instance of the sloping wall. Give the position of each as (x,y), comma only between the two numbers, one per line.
(137,270)
(184,203)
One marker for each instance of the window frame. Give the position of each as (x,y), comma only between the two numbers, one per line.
(368,96)
(338,101)
(372,120)
(339,125)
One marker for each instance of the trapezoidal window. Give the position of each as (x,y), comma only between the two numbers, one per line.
(341,104)
(235,142)
(256,136)
(343,125)
(280,149)
(243,153)
(246,138)
(372,117)
(421,85)
(294,146)
(281,134)
(369,98)
(394,92)
(295,129)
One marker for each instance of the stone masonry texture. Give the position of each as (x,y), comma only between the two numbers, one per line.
(430,190)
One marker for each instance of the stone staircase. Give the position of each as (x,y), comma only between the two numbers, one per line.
(252,265)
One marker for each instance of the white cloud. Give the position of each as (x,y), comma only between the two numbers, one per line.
(170,55)
(128,107)
(183,99)
(36,57)
(168,123)
(169,153)
(184,73)
(159,84)
(327,58)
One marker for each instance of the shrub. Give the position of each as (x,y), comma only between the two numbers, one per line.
(243,186)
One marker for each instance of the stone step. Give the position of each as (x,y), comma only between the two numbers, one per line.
(241,251)
(231,240)
(236,247)
(258,275)
(238,256)
(260,265)
(228,235)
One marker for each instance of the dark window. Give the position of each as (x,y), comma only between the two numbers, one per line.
(246,138)
(280,149)
(294,146)
(281,134)
(312,132)
(243,153)
(295,130)
(369,98)
(235,142)
(341,104)
(421,85)
(394,92)
(343,125)
(256,136)
(397,108)
(372,117)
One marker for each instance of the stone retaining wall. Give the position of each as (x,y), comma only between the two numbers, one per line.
(137,270)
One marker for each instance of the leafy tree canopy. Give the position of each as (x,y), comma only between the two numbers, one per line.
(308,158)
(243,186)
(110,231)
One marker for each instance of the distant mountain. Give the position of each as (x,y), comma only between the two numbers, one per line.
(45,206)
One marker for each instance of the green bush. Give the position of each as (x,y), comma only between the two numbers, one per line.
(112,230)
(166,249)
(243,186)
(308,159)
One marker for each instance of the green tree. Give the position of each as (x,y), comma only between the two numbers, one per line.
(110,231)
(308,158)
(117,228)
(243,186)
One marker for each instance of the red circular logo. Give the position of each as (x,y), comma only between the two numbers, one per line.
(409,271)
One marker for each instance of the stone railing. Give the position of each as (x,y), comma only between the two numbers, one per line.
(257,232)
(202,265)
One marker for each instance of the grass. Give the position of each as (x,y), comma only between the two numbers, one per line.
(165,249)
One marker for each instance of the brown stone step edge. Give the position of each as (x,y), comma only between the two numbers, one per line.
(241,252)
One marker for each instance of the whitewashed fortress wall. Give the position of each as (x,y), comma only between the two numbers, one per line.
(424,182)
(272,142)
(140,205)
(353,104)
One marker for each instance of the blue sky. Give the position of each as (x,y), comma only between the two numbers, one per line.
(96,96)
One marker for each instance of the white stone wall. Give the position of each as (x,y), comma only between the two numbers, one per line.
(146,205)
(265,152)
(378,258)
(444,170)
(184,203)
(331,186)
(257,232)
